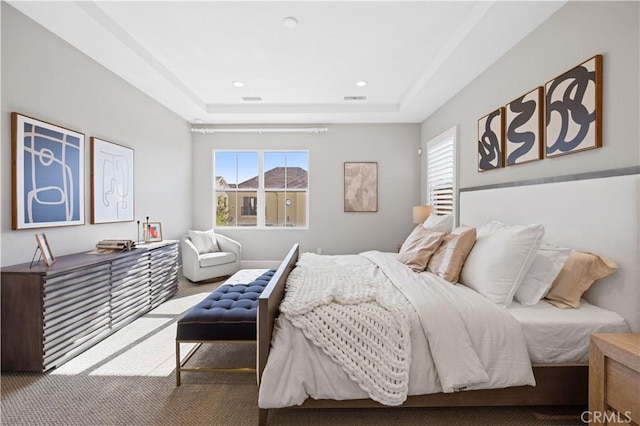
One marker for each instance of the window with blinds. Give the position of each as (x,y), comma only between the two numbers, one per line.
(441,172)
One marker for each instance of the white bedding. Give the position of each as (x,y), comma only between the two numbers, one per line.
(556,335)
(476,344)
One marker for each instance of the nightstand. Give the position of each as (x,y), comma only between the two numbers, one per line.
(614,378)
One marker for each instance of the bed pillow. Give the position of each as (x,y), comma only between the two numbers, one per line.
(578,274)
(448,259)
(419,247)
(500,259)
(205,241)
(442,223)
(545,268)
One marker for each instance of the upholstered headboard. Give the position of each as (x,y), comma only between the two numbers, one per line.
(593,212)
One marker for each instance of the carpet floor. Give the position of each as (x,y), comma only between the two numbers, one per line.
(129,379)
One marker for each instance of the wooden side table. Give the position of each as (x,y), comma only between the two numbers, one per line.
(614,379)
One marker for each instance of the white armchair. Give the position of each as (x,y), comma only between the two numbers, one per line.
(218,257)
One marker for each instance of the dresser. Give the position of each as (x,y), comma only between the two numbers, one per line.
(614,379)
(50,314)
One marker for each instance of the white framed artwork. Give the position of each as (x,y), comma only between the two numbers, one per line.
(112,182)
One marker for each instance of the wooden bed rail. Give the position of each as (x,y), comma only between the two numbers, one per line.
(269,307)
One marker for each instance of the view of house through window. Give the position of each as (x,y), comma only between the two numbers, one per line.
(261,188)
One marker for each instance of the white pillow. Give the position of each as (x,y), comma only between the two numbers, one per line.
(205,241)
(545,268)
(500,259)
(439,223)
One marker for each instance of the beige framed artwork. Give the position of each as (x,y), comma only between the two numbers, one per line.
(361,187)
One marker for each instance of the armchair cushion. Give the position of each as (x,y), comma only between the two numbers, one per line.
(214,259)
(205,241)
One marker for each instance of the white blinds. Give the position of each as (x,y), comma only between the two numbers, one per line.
(440,175)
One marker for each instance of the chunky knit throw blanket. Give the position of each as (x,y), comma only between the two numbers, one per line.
(358,322)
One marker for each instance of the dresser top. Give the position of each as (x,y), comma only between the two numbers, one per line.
(80,260)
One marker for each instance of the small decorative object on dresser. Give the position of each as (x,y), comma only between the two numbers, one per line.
(45,250)
(115,244)
(614,379)
(153,232)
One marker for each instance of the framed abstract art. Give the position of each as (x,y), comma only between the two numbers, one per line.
(573,109)
(524,128)
(112,173)
(491,140)
(152,232)
(47,174)
(361,187)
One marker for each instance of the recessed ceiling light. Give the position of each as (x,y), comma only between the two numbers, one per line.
(361,83)
(238,84)
(290,22)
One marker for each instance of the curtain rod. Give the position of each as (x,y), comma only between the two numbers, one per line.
(316,130)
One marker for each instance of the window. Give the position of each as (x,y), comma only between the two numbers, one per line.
(249,206)
(441,172)
(263,189)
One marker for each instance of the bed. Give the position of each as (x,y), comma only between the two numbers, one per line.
(561,381)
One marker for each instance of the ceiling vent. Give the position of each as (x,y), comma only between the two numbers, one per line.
(355,98)
(252,98)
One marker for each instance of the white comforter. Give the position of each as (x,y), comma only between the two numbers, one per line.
(459,341)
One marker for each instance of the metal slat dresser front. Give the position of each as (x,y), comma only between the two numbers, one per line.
(50,314)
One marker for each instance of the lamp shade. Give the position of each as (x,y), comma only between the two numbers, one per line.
(421,213)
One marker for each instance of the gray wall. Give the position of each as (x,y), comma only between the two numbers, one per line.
(45,78)
(578,31)
(173,168)
(393,146)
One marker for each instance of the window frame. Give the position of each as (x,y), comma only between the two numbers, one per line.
(260,191)
(435,144)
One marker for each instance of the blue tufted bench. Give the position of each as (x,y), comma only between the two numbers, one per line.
(226,315)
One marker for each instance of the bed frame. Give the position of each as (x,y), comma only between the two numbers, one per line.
(555,203)
(556,385)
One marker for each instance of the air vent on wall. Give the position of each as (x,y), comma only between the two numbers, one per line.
(355,98)
(252,98)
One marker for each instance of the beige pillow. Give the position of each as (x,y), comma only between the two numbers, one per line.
(448,259)
(418,248)
(577,275)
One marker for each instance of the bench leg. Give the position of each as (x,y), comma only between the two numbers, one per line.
(178,366)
